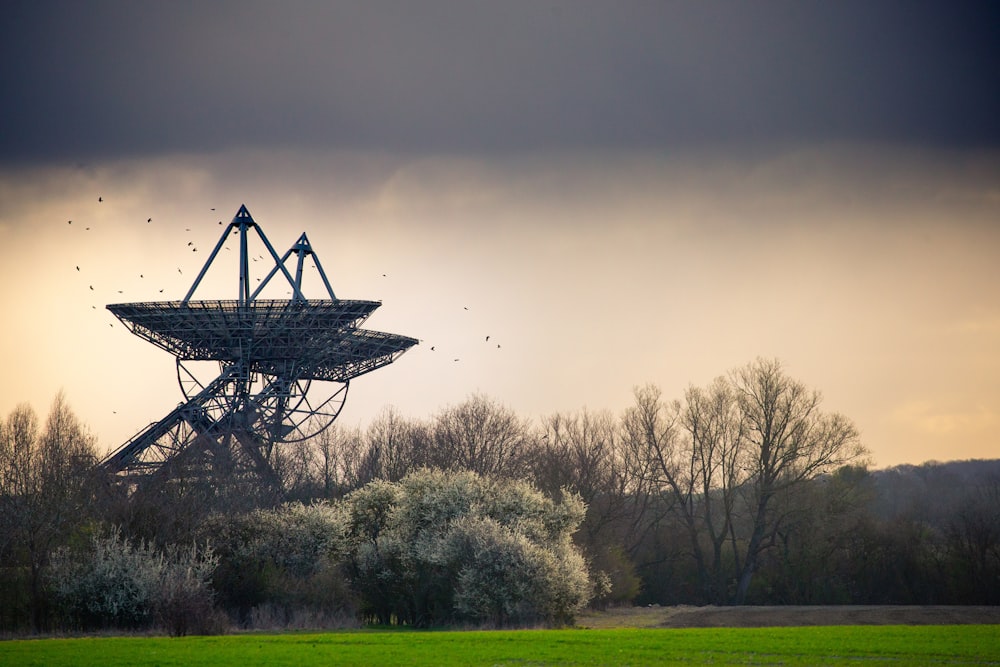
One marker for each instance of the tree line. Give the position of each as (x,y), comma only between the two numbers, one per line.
(741,491)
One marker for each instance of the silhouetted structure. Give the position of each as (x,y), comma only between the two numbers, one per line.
(280,369)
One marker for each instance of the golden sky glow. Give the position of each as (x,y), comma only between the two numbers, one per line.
(873,273)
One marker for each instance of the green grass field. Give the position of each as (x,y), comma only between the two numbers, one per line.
(835,645)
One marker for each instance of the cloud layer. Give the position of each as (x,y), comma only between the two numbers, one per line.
(89,81)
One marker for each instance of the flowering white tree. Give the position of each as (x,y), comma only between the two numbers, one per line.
(442,547)
(118,583)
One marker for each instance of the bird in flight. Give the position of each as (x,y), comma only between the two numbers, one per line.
(78,268)
(100,199)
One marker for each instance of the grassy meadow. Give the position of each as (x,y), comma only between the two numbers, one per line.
(834,645)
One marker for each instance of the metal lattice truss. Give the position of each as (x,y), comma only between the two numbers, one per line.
(224,429)
(269,355)
(316,340)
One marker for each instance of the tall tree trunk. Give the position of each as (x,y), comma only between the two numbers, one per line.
(752,552)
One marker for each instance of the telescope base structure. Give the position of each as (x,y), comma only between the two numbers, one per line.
(220,433)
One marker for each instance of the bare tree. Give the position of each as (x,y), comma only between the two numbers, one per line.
(18,479)
(727,458)
(789,441)
(44,489)
(654,433)
(296,464)
(583,453)
(395,447)
(578,451)
(481,436)
(712,446)
(338,458)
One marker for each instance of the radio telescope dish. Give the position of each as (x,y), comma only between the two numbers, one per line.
(255,373)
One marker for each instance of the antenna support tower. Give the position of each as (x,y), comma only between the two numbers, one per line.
(280,368)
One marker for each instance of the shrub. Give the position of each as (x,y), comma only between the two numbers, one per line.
(443,547)
(183,601)
(282,566)
(618,582)
(504,577)
(115,583)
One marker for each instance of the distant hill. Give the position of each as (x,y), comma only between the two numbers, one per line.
(967,470)
(932,490)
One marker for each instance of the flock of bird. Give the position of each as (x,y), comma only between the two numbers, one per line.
(142,276)
(194,248)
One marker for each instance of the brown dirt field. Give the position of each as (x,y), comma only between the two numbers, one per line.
(784,616)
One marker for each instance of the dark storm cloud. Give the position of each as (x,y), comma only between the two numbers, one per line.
(85,80)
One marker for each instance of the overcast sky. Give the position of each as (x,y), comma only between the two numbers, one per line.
(617,193)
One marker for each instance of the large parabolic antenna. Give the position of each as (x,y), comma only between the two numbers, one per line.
(277,369)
